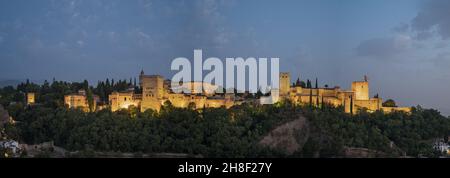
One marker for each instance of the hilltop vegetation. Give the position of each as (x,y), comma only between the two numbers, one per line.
(229,133)
(220,132)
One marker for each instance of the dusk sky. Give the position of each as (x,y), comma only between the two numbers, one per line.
(402,45)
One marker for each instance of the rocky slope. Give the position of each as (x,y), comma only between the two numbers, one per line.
(290,136)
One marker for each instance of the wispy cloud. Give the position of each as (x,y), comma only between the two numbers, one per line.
(433,17)
(384,47)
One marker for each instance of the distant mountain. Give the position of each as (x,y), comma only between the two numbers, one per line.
(14,83)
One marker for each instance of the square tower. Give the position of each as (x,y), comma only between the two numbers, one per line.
(285,83)
(152,86)
(361,89)
(152,91)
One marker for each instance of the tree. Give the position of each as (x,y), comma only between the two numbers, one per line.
(297,83)
(317,84)
(308,84)
(317,98)
(85,85)
(217,132)
(90,98)
(389,103)
(300,83)
(351,104)
(376,96)
(322,104)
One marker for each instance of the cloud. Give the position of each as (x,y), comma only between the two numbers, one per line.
(145,35)
(402,28)
(433,18)
(442,60)
(80,43)
(204,25)
(384,47)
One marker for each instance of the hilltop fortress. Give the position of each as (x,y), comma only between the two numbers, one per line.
(156,91)
(357,98)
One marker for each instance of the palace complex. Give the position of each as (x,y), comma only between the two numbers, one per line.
(155,91)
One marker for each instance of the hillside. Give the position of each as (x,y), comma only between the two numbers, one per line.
(4,117)
(317,135)
(281,130)
(289,137)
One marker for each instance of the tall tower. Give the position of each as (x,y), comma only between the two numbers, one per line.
(361,89)
(285,83)
(152,91)
(152,86)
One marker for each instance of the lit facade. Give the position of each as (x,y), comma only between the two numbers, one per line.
(156,91)
(352,100)
(80,101)
(31,98)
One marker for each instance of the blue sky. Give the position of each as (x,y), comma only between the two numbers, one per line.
(401,45)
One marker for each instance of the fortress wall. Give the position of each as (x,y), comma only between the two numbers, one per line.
(178,100)
(76,101)
(393,109)
(151,103)
(373,104)
(120,101)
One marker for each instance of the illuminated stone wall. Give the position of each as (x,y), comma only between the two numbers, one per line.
(123,100)
(31,98)
(77,101)
(156,92)
(80,101)
(354,100)
(393,109)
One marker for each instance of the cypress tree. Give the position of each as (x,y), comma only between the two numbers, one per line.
(322,104)
(351,105)
(310,97)
(317,85)
(298,82)
(317,97)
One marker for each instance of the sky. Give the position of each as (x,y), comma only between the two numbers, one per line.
(402,45)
